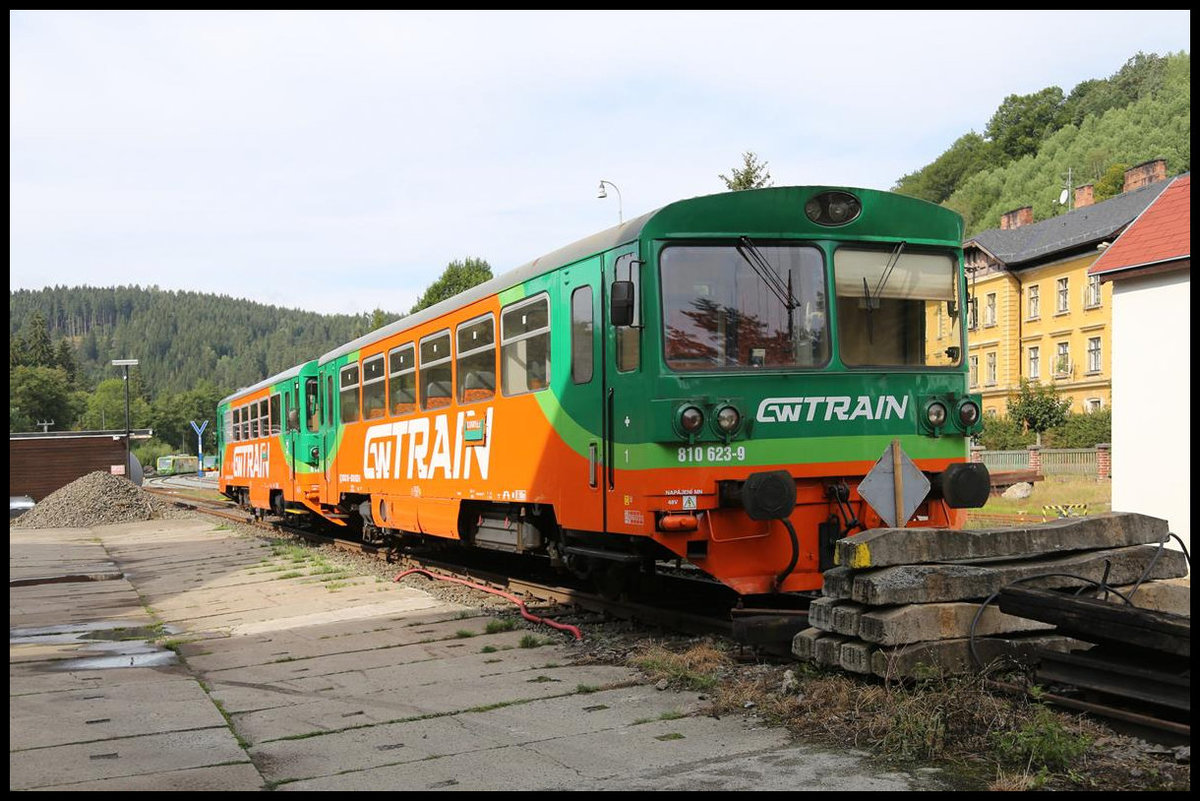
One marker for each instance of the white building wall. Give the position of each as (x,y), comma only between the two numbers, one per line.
(1152,401)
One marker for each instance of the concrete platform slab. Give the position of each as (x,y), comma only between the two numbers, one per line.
(290,683)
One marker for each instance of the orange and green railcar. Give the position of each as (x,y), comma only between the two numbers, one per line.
(710,382)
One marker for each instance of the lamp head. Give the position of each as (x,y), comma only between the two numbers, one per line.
(602,193)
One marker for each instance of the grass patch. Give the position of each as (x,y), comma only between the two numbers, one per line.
(530,641)
(671,736)
(1043,742)
(697,668)
(463,634)
(289,574)
(488,649)
(497,626)
(334,586)
(586,688)
(1055,490)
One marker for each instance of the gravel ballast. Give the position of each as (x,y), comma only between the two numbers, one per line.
(97,499)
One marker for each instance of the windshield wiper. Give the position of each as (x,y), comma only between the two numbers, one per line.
(893,260)
(867,302)
(767,273)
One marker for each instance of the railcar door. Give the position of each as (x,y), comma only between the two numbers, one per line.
(308,454)
(580,312)
(625,401)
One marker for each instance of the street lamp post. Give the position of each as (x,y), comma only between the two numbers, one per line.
(125,363)
(602,194)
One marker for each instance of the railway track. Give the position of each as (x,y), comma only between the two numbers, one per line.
(767,628)
(712,611)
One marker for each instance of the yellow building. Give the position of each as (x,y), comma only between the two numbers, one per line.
(1034,312)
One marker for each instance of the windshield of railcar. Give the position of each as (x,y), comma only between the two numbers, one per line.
(748,305)
(897,307)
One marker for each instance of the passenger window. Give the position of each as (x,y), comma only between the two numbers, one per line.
(252,410)
(525,346)
(264,421)
(436,371)
(477,360)
(581,335)
(402,380)
(229,434)
(245,424)
(276,418)
(349,393)
(374,388)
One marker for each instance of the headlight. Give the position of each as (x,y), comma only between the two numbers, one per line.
(968,413)
(833,208)
(936,414)
(728,419)
(690,419)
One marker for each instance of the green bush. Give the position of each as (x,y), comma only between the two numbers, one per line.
(1002,433)
(1082,430)
(147,452)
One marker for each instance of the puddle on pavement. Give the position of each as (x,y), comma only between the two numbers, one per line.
(107,644)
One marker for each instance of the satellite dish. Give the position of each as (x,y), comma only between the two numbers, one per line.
(1062,199)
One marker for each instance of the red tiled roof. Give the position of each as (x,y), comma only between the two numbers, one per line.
(1161,233)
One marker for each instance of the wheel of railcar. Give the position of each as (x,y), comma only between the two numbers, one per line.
(614,580)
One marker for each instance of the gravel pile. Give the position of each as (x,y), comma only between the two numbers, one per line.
(96,499)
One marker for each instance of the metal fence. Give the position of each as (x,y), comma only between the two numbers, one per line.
(1055,461)
(1069,462)
(1004,461)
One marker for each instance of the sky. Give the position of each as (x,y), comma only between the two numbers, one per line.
(336,162)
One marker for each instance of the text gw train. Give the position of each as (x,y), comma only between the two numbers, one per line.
(708,383)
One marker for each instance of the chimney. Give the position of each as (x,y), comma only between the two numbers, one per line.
(1083,196)
(1147,172)
(1016,218)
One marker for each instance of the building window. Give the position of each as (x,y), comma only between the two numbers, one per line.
(1093,405)
(1062,360)
(989,312)
(1034,303)
(1035,362)
(1093,353)
(991,369)
(974,362)
(1064,300)
(973,313)
(1091,297)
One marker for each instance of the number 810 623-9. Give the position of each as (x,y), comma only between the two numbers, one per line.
(712,453)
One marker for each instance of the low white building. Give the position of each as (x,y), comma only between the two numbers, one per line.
(1149,265)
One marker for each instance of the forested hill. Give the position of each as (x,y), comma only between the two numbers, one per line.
(180,338)
(1035,144)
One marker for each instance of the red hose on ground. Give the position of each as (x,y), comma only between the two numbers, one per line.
(525,613)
